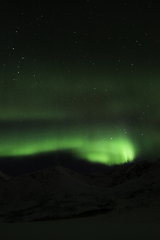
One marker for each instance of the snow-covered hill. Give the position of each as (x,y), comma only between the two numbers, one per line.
(57,192)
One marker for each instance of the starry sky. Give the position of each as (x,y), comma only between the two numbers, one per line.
(81,77)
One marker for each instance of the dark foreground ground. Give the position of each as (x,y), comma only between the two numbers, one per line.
(128,226)
(57,203)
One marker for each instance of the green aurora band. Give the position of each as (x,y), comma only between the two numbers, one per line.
(106,150)
(96,118)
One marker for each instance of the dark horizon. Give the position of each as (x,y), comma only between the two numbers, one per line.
(16,166)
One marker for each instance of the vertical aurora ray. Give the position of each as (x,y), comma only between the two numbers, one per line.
(110,151)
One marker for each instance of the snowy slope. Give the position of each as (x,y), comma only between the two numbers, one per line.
(57,193)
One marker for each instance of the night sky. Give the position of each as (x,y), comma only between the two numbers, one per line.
(82,77)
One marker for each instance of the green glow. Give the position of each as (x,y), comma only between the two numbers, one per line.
(112,151)
(54,97)
(94,147)
(91,94)
(94,117)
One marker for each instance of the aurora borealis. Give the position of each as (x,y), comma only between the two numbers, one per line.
(80,77)
(91,144)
